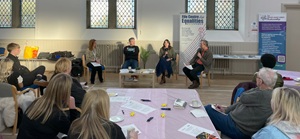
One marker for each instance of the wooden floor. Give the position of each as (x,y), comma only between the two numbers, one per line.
(219,91)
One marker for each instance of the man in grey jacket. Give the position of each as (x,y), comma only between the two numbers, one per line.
(201,61)
(242,119)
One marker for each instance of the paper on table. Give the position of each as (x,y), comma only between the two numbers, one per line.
(214,107)
(119,99)
(124,70)
(193,130)
(188,66)
(198,113)
(95,64)
(131,126)
(139,107)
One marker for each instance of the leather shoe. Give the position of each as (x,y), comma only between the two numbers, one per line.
(194,85)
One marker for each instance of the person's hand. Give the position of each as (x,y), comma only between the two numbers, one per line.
(20,79)
(220,108)
(169,59)
(132,134)
(72,103)
(199,55)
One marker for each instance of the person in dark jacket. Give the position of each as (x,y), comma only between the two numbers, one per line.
(166,56)
(245,117)
(27,76)
(201,61)
(64,65)
(52,113)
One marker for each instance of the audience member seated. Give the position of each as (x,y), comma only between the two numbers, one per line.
(94,119)
(201,61)
(7,109)
(52,113)
(284,123)
(93,55)
(166,56)
(242,119)
(269,61)
(28,77)
(64,65)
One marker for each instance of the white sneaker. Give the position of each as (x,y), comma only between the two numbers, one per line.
(135,79)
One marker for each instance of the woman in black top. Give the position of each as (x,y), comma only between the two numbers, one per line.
(64,65)
(50,114)
(94,120)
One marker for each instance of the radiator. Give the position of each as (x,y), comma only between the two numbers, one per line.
(111,55)
(222,50)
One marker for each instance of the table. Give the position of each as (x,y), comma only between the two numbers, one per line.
(293,75)
(140,73)
(233,57)
(160,128)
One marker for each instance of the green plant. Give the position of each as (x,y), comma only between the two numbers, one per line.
(144,55)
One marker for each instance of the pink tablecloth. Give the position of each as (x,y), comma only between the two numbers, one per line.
(160,128)
(293,75)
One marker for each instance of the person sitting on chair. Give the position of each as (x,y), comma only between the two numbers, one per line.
(284,123)
(94,119)
(201,61)
(64,65)
(52,113)
(269,61)
(8,76)
(245,117)
(93,56)
(131,53)
(166,55)
(28,77)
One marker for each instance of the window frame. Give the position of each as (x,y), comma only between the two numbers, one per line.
(16,20)
(112,15)
(210,14)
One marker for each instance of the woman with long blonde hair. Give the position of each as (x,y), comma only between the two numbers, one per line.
(284,123)
(51,113)
(94,120)
(64,65)
(8,76)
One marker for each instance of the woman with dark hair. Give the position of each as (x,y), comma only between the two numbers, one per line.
(164,66)
(93,56)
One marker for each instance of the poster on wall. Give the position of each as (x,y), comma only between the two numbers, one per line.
(272,37)
(192,30)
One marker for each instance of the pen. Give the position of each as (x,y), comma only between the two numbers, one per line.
(123,112)
(148,100)
(149,119)
(166,109)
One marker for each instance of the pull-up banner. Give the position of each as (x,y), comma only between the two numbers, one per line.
(192,30)
(272,37)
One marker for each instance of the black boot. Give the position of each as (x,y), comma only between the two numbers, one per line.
(194,85)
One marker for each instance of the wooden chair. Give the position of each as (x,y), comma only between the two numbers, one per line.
(86,69)
(8,90)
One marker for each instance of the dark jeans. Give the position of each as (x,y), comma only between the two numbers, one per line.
(225,124)
(131,62)
(193,74)
(162,66)
(94,70)
(28,78)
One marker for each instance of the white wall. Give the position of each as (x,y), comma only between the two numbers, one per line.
(156,20)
